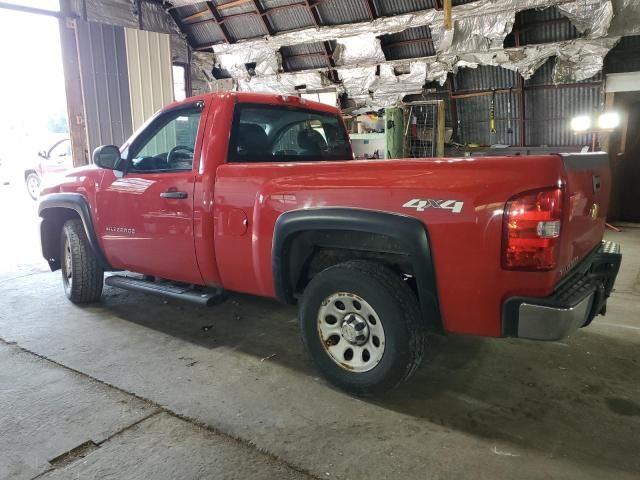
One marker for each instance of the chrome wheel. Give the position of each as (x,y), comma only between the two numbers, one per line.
(351,332)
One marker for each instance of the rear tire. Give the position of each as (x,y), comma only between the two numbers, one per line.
(82,277)
(361,325)
(33,185)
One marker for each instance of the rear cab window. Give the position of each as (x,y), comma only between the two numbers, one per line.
(277,133)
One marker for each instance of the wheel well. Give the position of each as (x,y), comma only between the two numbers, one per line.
(306,241)
(53,219)
(29,172)
(313,251)
(310,252)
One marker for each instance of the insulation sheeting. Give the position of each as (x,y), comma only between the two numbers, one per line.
(155,19)
(488,19)
(357,82)
(125,13)
(626,20)
(111,12)
(479,33)
(577,59)
(592,19)
(379,86)
(179,49)
(477,39)
(266,63)
(284,84)
(358,49)
(201,76)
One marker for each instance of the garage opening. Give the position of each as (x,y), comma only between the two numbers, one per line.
(34,128)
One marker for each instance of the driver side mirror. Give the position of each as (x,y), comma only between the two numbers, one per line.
(42,153)
(107,156)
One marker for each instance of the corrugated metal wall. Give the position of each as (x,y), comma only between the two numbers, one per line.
(548,108)
(473,114)
(105,88)
(150,78)
(549,112)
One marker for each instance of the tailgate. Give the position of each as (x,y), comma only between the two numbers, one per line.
(588,187)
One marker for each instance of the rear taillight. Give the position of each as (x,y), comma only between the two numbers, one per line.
(531,230)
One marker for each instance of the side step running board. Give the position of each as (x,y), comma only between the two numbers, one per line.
(166,290)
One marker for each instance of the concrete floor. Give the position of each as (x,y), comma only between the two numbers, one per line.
(136,387)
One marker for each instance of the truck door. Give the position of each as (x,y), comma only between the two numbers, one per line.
(145,216)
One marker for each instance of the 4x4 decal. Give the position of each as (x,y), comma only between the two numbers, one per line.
(421,205)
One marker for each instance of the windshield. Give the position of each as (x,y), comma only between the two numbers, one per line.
(274,133)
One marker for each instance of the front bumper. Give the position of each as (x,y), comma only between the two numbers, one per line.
(576,301)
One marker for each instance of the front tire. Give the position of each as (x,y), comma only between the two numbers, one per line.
(33,185)
(361,325)
(82,276)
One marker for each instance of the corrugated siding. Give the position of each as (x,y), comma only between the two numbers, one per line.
(105,86)
(549,112)
(187,10)
(246,26)
(544,26)
(386,8)
(150,76)
(286,19)
(474,120)
(553,32)
(206,34)
(410,43)
(336,12)
(484,78)
(305,56)
(236,7)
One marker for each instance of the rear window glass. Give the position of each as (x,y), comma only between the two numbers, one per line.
(272,133)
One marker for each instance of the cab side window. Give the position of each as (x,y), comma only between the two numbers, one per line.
(276,133)
(170,145)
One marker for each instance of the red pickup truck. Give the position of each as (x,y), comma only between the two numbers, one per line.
(260,194)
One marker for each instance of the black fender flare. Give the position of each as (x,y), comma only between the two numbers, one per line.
(410,232)
(75,202)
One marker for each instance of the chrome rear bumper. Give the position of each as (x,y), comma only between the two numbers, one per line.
(578,298)
(540,322)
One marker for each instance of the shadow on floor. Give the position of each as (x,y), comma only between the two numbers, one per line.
(577,399)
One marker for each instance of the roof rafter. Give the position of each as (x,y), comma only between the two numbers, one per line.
(262,13)
(220,22)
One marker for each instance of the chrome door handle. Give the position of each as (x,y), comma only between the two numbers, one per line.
(174,195)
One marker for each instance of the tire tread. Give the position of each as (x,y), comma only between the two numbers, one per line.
(408,303)
(88,276)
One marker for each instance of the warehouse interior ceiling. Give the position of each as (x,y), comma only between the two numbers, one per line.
(377,51)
